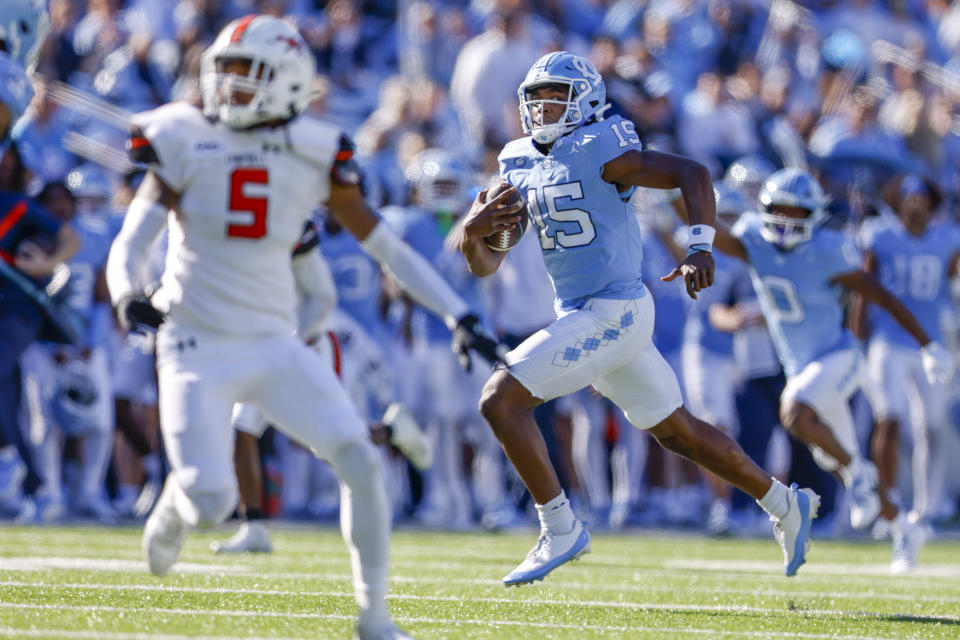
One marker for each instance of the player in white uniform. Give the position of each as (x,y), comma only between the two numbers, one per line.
(239,180)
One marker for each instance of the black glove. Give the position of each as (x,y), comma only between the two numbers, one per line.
(468,336)
(135,313)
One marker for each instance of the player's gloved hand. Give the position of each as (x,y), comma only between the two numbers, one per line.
(468,336)
(937,362)
(135,313)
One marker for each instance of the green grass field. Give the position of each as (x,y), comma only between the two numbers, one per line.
(77,582)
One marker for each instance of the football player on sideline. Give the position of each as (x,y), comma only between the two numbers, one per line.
(798,269)
(577,171)
(239,180)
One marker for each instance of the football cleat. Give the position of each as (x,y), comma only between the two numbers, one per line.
(164,532)
(907,541)
(862,494)
(793,530)
(407,436)
(552,550)
(380,629)
(252,537)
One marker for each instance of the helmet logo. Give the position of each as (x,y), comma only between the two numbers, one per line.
(291,42)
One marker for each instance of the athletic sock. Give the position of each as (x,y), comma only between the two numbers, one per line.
(556,516)
(775,501)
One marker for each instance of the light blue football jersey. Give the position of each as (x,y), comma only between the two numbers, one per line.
(799,301)
(95,234)
(357,279)
(590,237)
(915,270)
(421,230)
(698,328)
(669,297)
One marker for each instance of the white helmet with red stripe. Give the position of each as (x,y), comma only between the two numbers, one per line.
(278,79)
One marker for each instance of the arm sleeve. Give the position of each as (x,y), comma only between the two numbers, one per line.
(127,262)
(317,292)
(415,274)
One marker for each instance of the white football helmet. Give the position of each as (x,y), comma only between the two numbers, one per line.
(441,180)
(280,77)
(586,94)
(791,187)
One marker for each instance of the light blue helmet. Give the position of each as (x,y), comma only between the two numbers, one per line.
(15,92)
(23,28)
(441,179)
(75,398)
(586,94)
(791,187)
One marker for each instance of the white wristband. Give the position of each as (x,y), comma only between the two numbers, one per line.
(700,234)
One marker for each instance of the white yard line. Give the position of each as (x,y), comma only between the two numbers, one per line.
(651,606)
(415,620)
(870,595)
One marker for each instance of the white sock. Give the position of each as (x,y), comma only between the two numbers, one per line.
(775,500)
(556,516)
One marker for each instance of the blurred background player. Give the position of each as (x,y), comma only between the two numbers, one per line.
(32,242)
(67,388)
(443,395)
(799,268)
(914,256)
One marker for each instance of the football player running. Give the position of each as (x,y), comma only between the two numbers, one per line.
(799,268)
(577,170)
(915,257)
(239,179)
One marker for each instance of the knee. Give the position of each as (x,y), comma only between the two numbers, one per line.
(793,416)
(356,462)
(493,403)
(205,509)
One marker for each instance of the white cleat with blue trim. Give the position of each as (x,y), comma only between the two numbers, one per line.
(793,530)
(552,550)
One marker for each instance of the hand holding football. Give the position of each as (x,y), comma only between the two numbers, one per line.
(508,238)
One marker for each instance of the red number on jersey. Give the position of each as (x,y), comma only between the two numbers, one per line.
(257,225)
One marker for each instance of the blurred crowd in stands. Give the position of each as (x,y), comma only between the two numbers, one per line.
(860,92)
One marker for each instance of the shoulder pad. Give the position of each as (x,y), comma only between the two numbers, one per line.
(314,140)
(163,127)
(309,238)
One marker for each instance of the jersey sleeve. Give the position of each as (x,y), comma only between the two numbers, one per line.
(613,137)
(309,238)
(158,140)
(841,256)
(747,230)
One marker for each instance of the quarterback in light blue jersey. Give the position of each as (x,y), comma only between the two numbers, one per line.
(915,258)
(576,171)
(799,269)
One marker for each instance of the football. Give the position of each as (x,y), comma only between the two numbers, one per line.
(508,238)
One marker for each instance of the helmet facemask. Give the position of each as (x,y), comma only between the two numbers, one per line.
(239,99)
(570,119)
(788,232)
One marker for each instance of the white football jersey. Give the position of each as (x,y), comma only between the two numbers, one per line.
(244,199)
